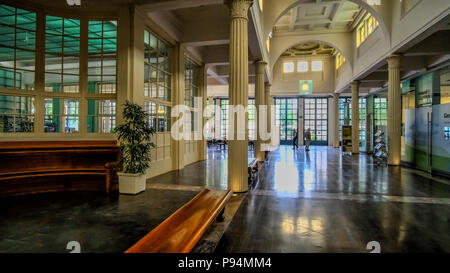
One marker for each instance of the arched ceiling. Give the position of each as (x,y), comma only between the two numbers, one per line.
(319,17)
(310,48)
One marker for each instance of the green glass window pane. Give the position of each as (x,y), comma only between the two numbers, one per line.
(109,46)
(6,104)
(7,15)
(25,39)
(53,43)
(110,29)
(71,45)
(95,29)
(53,25)
(7,36)
(72,27)
(94,46)
(26,19)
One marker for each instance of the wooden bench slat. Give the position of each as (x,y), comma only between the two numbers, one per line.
(183,229)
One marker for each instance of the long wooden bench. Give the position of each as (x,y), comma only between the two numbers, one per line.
(48,166)
(183,229)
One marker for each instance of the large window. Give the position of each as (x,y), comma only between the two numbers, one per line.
(157,67)
(63,91)
(316,119)
(192,81)
(16,114)
(366,28)
(362,122)
(17,48)
(158,82)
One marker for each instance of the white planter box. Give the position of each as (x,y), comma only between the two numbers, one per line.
(131,183)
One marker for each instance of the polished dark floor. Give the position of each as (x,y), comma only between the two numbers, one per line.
(323,201)
(101,223)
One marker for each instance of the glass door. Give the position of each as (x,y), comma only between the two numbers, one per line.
(316,119)
(286,115)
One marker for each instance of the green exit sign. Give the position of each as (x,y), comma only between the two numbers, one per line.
(305,87)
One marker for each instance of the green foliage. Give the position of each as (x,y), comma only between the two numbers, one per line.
(134,137)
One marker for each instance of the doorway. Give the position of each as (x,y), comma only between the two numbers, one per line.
(316,120)
(286,117)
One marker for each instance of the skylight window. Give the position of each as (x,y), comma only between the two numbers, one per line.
(302,66)
(316,66)
(288,67)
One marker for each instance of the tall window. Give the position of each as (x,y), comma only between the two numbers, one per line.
(62,54)
(157,67)
(17,48)
(158,81)
(251,119)
(286,117)
(192,81)
(102,49)
(362,121)
(224,118)
(366,28)
(380,114)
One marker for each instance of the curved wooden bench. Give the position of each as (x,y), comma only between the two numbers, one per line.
(183,229)
(48,166)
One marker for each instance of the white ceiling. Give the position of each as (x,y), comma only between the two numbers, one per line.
(318,16)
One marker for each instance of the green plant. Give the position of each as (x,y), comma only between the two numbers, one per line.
(134,138)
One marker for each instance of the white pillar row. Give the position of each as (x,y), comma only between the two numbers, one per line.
(238,93)
(394,121)
(259,100)
(336,120)
(355,117)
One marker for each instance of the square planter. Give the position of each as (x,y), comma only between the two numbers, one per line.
(131,183)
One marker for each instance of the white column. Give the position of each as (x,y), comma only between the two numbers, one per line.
(259,100)
(394,118)
(335,119)
(355,117)
(238,93)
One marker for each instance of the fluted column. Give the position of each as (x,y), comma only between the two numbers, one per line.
(336,120)
(355,117)
(394,119)
(238,93)
(259,100)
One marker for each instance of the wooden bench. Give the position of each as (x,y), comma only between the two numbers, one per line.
(49,166)
(252,170)
(183,229)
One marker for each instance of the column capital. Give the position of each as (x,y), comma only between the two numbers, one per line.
(355,84)
(259,66)
(267,85)
(336,95)
(239,8)
(393,61)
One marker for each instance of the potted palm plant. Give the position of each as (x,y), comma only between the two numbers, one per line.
(134,138)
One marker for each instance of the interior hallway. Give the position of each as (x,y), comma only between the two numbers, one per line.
(328,202)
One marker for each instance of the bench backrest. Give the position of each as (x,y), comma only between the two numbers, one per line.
(42,156)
